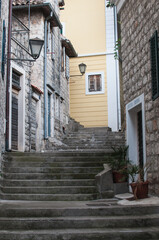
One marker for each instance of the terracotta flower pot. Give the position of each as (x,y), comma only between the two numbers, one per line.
(140,189)
(119,177)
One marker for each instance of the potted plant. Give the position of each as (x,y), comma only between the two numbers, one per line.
(118,164)
(140,185)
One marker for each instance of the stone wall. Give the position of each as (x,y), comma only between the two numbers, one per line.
(139,20)
(56,82)
(4,16)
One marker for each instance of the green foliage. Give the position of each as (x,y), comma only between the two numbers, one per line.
(119,161)
(109,4)
(133,170)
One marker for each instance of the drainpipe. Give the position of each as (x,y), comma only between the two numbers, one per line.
(45,76)
(117,72)
(8,74)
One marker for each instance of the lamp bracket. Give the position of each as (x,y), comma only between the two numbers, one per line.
(76,75)
(23,59)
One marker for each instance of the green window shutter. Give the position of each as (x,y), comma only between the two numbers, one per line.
(154,65)
(0,8)
(3,50)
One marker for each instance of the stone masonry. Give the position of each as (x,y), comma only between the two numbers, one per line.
(57,83)
(3,16)
(139,20)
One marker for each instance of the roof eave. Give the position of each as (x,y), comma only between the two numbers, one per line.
(70,51)
(47,9)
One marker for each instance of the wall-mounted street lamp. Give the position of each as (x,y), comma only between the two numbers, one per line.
(36,45)
(82,69)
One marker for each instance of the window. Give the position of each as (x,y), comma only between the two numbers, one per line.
(52,45)
(63,59)
(48,38)
(16,80)
(154,65)
(95,83)
(57,113)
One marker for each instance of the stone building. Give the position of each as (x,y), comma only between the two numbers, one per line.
(3,50)
(139,29)
(39,100)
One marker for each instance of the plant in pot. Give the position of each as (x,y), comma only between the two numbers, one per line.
(118,164)
(138,183)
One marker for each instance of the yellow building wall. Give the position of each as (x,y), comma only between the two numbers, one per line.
(84,22)
(89,110)
(85,25)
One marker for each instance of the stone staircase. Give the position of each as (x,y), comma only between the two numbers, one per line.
(58,176)
(53,195)
(96,139)
(77,221)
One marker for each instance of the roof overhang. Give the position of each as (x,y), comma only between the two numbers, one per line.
(47,10)
(70,51)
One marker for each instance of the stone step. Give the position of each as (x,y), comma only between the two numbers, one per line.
(48,176)
(48,170)
(94,136)
(87,147)
(103,208)
(138,233)
(79,222)
(57,154)
(95,129)
(56,164)
(49,197)
(98,144)
(41,183)
(50,190)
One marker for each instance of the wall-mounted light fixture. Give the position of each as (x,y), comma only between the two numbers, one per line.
(36,45)
(82,69)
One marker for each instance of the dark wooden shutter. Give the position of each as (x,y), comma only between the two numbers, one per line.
(154,65)
(33,124)
(0,7)
(14,122)
(16,80)
(49,114)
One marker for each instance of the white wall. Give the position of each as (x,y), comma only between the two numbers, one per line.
(113,86)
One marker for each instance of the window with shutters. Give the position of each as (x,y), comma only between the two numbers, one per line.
(155,65)
(95,83)
(16,80)
(48,38)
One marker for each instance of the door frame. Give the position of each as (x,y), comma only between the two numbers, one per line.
(21,108)
(132,108)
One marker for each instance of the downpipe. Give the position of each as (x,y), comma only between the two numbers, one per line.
(8,76)
(45,77)
(117,72)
